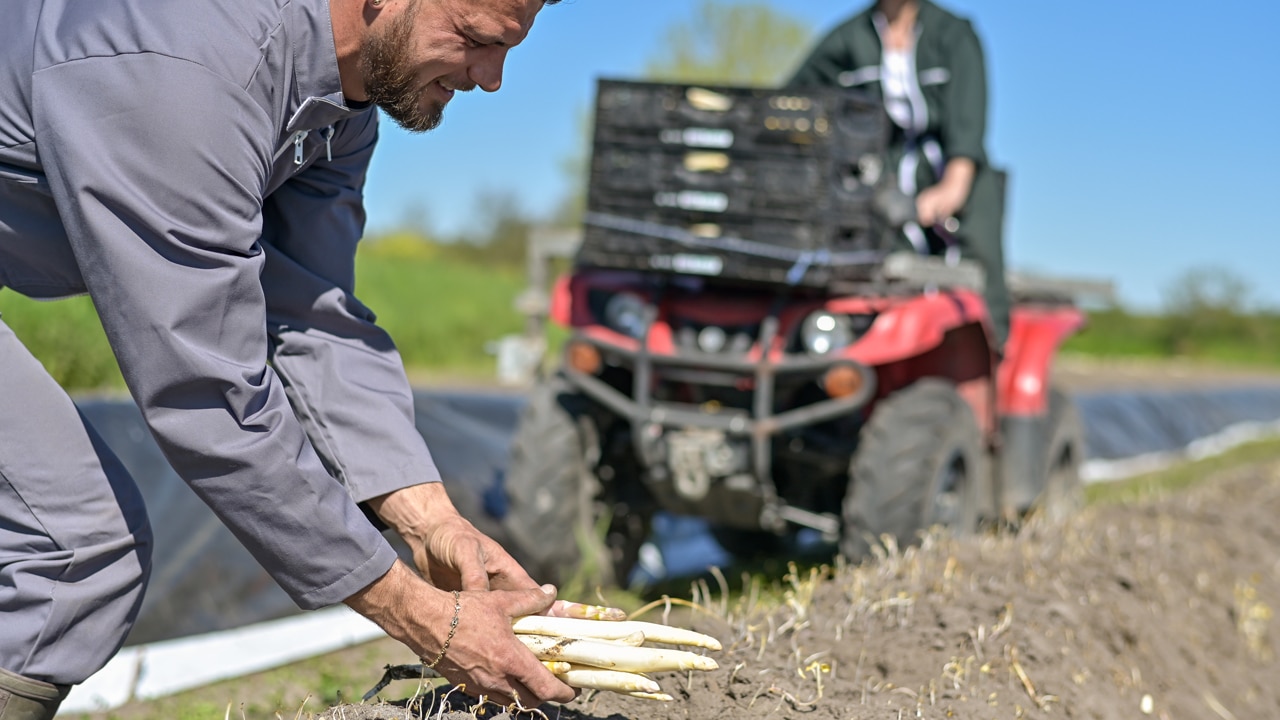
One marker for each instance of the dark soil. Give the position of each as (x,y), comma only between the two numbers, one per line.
(1162,608)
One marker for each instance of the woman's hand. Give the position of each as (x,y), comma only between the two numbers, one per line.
(937,203)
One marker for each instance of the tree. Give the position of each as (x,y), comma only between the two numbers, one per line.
(1205,307)
(576,166)
(732,43)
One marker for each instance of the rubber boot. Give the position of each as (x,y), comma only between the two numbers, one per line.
(22,698)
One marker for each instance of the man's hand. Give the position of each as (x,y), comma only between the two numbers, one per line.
(937,203)
(447,549)
(484,653)
(453,555)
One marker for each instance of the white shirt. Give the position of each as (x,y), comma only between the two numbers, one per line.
(896,80)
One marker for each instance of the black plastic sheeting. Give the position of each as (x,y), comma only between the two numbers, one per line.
(203,580)
(1122,425)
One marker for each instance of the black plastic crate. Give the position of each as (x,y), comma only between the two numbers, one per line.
(762,120)
(740,184)
(626,177)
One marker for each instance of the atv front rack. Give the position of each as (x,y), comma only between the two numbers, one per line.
(650,418)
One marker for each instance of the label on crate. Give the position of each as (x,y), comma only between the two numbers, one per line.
(695,200)
(696,137)
(688,264)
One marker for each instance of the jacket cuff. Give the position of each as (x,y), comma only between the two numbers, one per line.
(359,578)
(364,489)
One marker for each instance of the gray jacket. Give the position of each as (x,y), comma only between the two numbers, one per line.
(196,169)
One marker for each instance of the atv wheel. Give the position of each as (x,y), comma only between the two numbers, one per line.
(919,463)
(559,524)
(1063,493)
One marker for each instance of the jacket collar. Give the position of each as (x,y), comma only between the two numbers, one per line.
(317,84)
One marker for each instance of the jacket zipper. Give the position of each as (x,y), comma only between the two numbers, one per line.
(299,137)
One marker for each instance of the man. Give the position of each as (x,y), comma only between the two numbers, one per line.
(198,169)
(927,64)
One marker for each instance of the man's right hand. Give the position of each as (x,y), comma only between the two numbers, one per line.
(484,654)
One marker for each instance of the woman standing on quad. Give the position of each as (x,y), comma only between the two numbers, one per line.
(928,66)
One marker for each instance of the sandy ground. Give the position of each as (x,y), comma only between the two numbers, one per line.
(1089,374)
(1160,609)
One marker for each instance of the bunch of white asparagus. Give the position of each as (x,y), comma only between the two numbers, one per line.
(612,655)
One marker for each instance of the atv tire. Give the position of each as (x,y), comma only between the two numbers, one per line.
(920,461)
(547,484)
(1063,493)
(556,515)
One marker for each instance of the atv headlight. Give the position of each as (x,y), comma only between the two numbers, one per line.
(823,332)
(624,313)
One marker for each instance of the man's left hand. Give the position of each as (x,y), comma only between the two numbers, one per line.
(447,549)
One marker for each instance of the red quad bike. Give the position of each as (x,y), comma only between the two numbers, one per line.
(862,408)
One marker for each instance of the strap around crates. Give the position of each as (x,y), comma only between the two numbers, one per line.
(801,260)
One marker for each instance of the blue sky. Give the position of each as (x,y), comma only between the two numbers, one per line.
(1141,136)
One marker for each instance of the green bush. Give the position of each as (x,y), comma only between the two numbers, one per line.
(1235,338)
(66,336)
(440,312)
(1116,333)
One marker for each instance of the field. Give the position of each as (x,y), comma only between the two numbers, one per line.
(1157,601)
(1152,602)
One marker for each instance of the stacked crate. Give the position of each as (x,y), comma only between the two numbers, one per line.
(742,184)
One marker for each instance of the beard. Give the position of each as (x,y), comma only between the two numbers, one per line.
(391,80)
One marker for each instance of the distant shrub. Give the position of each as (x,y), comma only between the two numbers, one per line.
(67,338)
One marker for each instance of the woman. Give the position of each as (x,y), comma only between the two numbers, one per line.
(927,65)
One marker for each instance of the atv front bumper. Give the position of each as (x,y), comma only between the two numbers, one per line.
(654,422)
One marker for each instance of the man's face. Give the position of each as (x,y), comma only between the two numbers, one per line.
(423,51)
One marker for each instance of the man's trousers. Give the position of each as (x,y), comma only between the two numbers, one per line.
(75,542)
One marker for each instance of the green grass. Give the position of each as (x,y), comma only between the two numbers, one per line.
(66,336)
(1182,475)
(443,304)
(1217,337)
(441,312)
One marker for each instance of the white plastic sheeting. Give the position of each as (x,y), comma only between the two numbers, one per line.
(146,672)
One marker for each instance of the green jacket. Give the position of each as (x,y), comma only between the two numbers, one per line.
(950,75)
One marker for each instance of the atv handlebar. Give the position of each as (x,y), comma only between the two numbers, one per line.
(899,209)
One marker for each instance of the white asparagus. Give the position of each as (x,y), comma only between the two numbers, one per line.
(593,678)
(589,612)
(557,666)
(612,656)
(635,639)
(611,630)
(659,696)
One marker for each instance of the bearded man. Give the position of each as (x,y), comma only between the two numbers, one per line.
(197,169)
